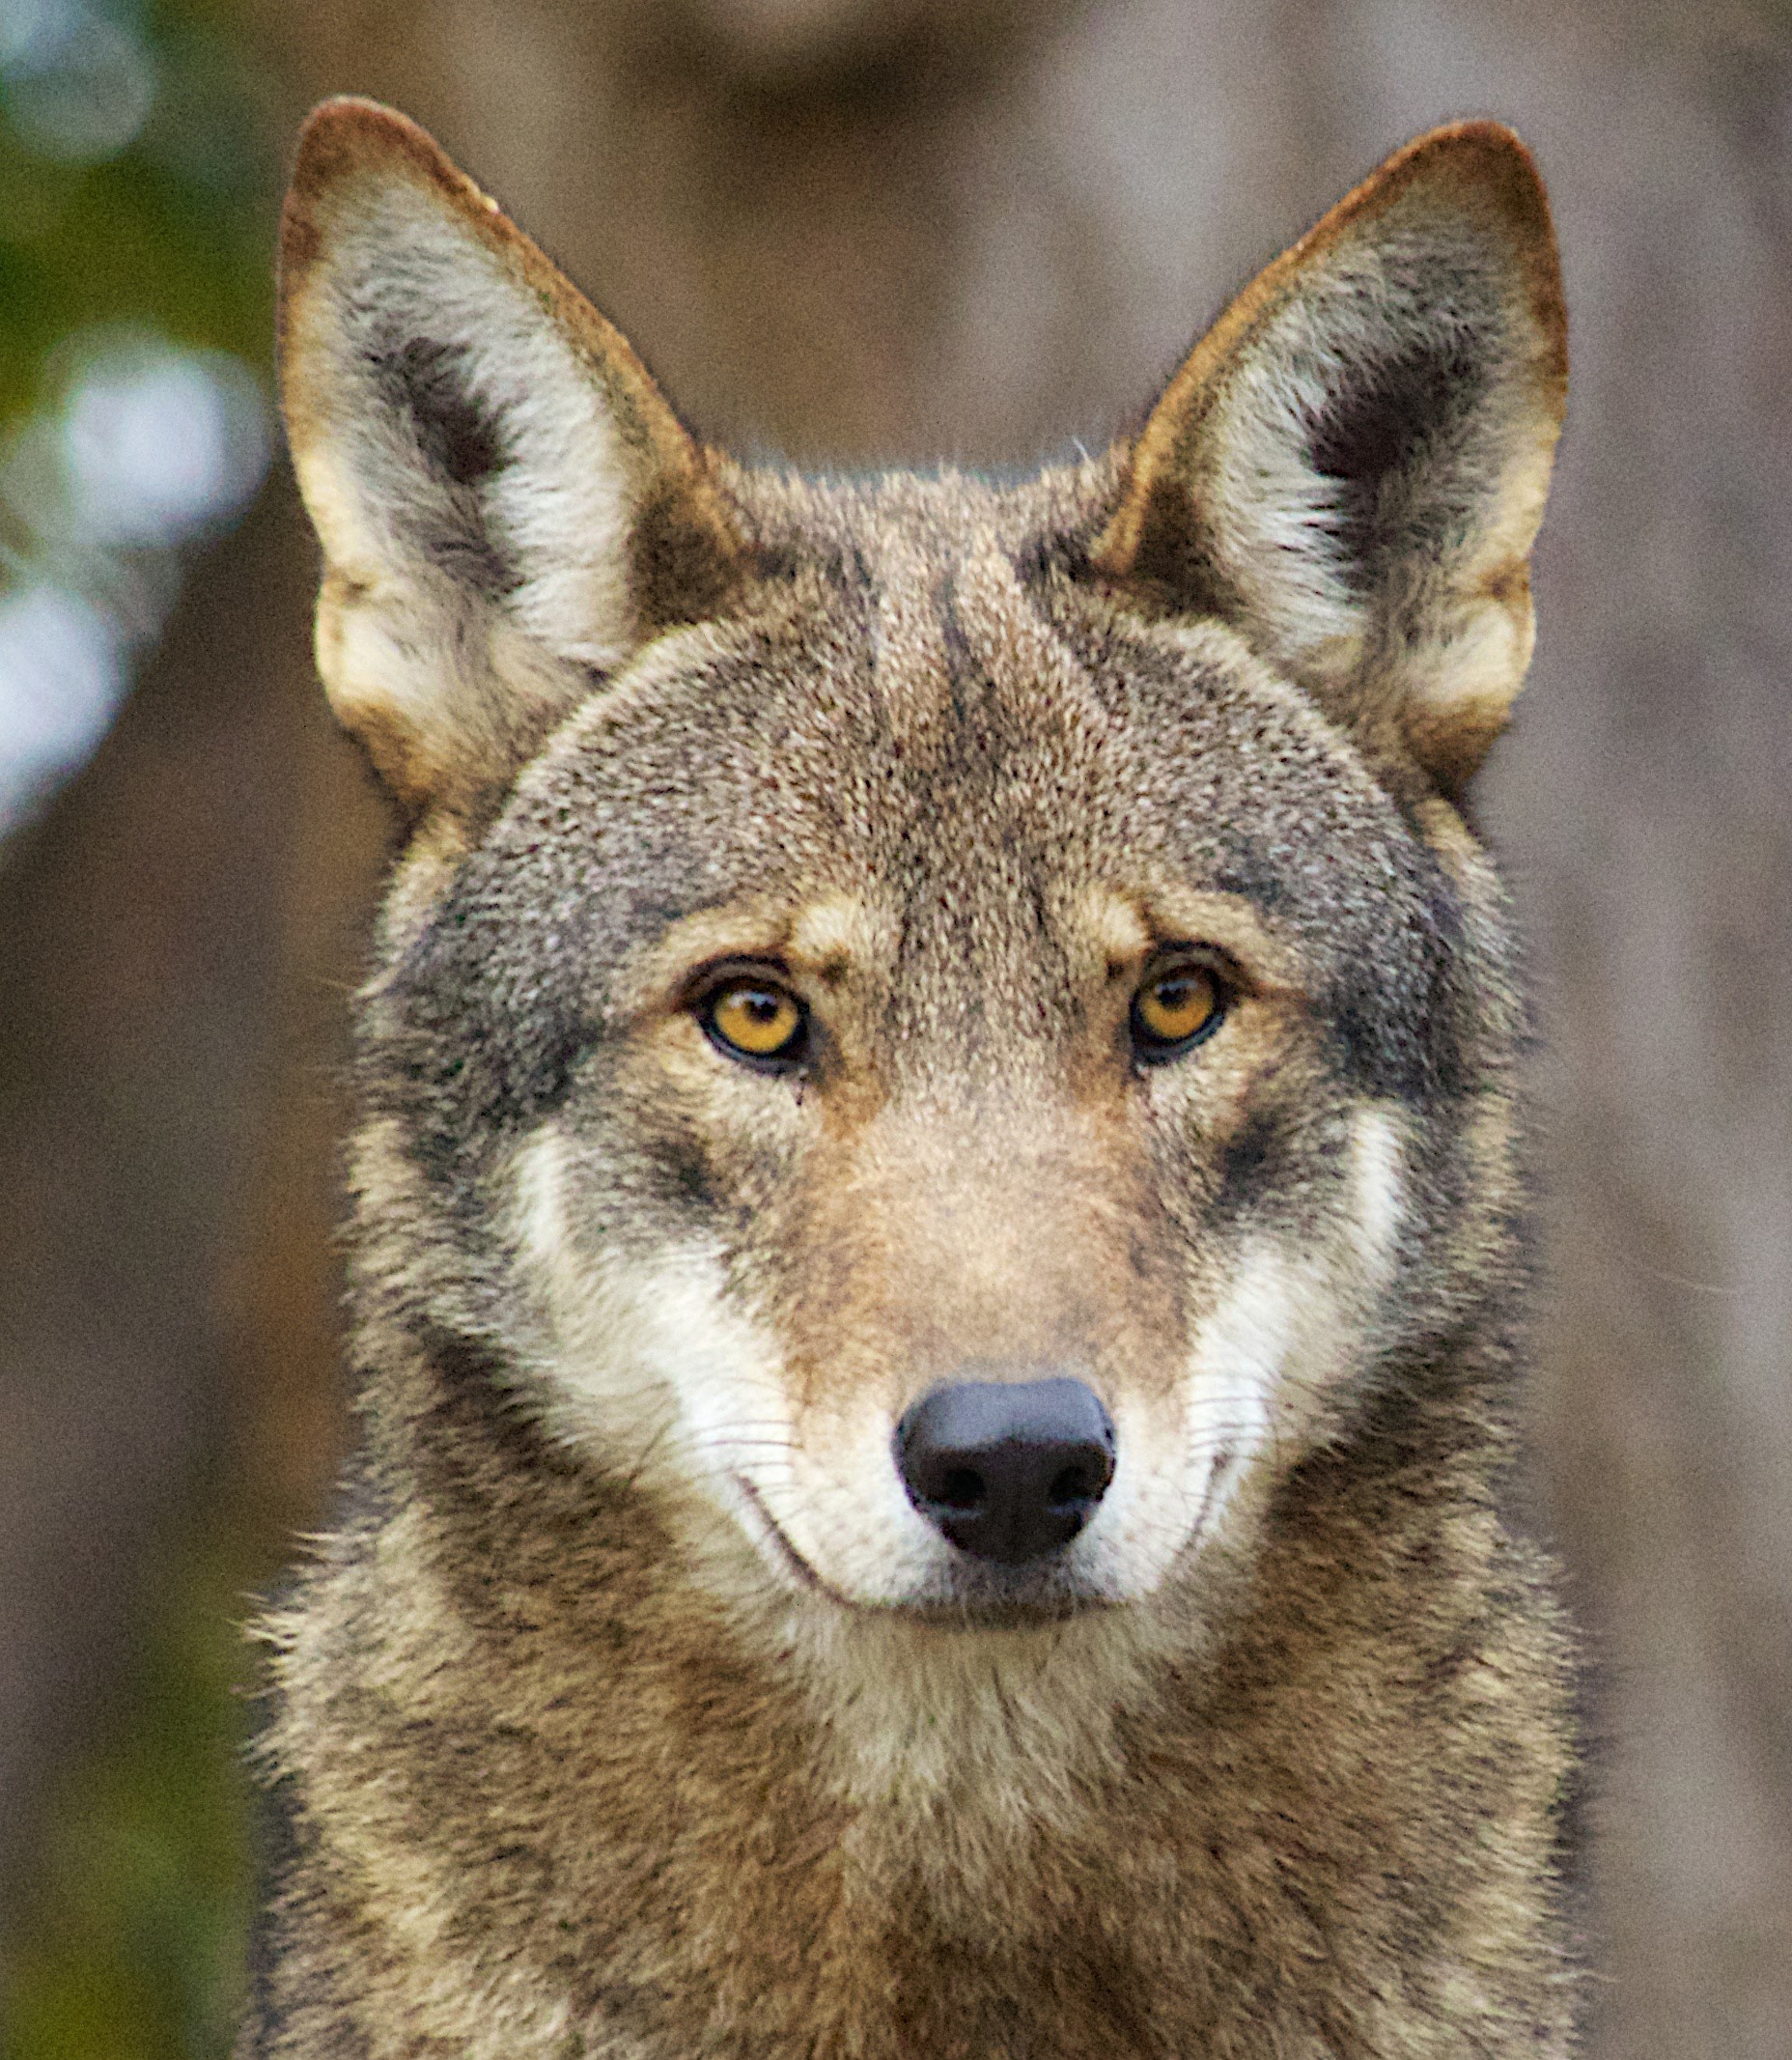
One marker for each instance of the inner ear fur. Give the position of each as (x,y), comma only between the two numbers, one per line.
(1351,465)
(508,506)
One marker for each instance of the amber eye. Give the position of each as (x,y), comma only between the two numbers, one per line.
(1175,1009)
(753,1019)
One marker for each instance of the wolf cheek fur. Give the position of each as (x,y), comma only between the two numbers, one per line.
(937,1241)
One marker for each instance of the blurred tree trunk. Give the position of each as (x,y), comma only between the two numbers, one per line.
(850,232)
(144,932)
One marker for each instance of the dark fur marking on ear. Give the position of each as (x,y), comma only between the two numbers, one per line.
(1372,437)
(679,571)
(462,446)
(428,380)
(474,561)
(1175,561)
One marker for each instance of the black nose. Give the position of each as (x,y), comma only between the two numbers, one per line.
(1007,1469)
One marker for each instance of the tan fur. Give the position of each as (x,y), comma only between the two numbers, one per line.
(632,1709)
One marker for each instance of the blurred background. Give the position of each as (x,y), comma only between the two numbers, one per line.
(847,231)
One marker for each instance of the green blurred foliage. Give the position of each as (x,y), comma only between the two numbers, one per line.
(133,1946)
(174,233)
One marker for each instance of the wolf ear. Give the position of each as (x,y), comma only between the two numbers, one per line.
(1352,465)
(508,506)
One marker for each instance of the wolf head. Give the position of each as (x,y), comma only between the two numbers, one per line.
(942,1038)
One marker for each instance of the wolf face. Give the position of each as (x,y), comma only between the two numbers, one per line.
(945,1037)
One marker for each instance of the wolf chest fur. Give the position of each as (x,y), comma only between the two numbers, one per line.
(938,1245)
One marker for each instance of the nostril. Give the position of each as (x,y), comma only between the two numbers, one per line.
(1007,1470)
(963,1489)
(1073,1485)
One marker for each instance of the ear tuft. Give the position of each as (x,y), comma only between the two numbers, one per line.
(1351,466)
(490,467)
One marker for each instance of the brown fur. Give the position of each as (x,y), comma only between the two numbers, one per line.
(630,1710)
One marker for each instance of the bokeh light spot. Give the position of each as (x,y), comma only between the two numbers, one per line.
(63,673)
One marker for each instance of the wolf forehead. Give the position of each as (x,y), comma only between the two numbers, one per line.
(926,713)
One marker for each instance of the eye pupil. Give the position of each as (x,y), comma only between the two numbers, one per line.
(1174,1011)
(748,1020)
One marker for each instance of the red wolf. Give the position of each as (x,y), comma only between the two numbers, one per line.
(939,1236)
